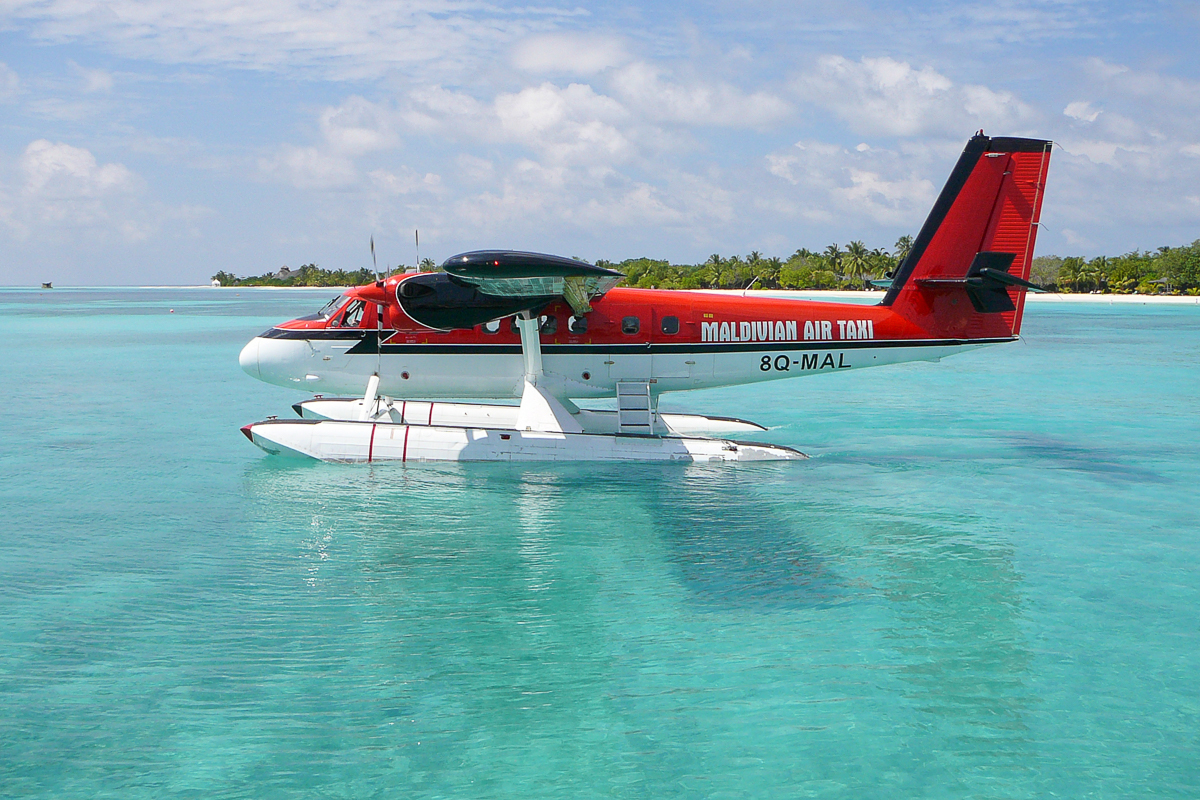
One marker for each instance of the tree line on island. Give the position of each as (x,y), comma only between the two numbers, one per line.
(1167,270)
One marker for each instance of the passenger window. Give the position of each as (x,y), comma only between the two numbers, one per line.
(670,325)
(549,325)
(512,326)
(577,324)
(630,325)
(491,327)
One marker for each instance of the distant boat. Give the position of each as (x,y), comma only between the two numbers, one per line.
(47,285)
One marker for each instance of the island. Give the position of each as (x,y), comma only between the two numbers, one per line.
(1166,270)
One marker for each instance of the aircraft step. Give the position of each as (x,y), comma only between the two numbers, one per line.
(634,412)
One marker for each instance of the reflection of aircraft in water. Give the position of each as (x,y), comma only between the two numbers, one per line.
(552,330)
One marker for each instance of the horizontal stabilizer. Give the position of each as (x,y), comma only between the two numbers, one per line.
(987,283)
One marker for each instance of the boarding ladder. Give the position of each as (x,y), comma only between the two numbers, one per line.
(635,412)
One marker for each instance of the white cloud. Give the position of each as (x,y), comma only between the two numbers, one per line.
(886,200)
(529,196)
(840,183)
(643,88)
(1104,70)
(60,186)
(310,168)
(475,169)
(565,124)
(345,39)
(59,171)
(572,54)
(358,126)
(10,84)
(435,109)
(351,130)
(1100,152)
(885,96)
(1074,238)
(404,181)
(1082,111)
(94,80)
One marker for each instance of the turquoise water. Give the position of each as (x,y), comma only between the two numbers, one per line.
(984,584)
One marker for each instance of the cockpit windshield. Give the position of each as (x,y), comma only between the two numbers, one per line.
(330,308)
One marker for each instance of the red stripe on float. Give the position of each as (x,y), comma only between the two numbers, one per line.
(404,455)
(371,446)
(403,407)
(431,413)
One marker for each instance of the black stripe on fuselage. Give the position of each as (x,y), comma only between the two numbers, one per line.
(316,334)
(367,345)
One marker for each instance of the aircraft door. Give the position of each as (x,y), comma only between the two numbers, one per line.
(678,359)
(632,361)
(669,360)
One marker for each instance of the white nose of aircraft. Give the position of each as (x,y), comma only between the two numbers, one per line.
(249,358)
(282,362)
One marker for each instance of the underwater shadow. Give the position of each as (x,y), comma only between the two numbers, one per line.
(730,543)
(1061,454)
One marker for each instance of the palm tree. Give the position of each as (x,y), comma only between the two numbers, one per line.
(855,263)
(770,272)
(833,254)
(713,266)
(734,273)
(903,247)
(1069,272)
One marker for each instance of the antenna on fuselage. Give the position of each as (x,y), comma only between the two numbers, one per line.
(374,263)
(417,239)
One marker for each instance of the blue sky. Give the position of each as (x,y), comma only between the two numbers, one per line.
(159,142)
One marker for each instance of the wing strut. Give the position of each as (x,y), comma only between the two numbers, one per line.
(540,410)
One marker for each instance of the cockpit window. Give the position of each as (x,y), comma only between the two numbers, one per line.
(354,314)
(331,307)
(352,317)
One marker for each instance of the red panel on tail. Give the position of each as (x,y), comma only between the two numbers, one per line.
(991,203)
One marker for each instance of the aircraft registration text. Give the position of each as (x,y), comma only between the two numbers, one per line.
(786,330)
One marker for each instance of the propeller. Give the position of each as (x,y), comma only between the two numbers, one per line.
(378,312)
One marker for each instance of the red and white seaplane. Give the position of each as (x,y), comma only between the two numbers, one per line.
(551,330)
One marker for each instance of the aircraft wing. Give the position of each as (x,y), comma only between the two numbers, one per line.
(485,285)
(510,273)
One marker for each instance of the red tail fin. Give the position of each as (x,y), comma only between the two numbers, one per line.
(964,277)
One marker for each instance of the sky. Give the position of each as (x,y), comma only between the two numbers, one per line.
(157,142)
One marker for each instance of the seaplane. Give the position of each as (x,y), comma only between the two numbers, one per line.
(395,366)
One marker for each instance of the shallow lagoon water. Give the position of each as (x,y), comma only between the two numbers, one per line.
(984,584)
